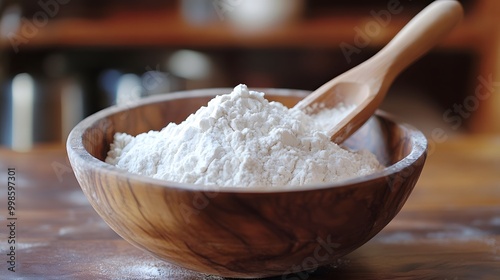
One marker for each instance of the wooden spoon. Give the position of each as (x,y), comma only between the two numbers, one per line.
(366,85)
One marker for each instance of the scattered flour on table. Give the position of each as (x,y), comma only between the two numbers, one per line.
(241,139)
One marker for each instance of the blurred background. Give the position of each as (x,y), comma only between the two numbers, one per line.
(62,60)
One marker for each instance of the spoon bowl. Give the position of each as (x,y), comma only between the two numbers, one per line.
(366,85)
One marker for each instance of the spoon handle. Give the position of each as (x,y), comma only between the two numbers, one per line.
(366,85)
(417,37)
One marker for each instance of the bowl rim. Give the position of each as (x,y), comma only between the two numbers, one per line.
(77,152)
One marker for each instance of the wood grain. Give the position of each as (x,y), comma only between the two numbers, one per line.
(448,229)
(233,232)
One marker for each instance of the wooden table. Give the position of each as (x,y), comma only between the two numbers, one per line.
(449,228)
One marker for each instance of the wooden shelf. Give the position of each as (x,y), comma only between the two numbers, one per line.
(167,28)
(479,34)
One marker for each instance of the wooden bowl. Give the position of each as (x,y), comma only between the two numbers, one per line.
(236,232)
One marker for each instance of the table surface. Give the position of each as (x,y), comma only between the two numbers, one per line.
(448,229)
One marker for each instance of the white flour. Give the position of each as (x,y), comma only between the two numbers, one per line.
(241,140)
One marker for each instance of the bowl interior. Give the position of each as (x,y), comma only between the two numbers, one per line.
(256,234)
(377,135)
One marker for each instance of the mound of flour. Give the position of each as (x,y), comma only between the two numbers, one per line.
(241,139)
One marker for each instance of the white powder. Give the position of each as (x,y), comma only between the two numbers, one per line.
(242,140)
